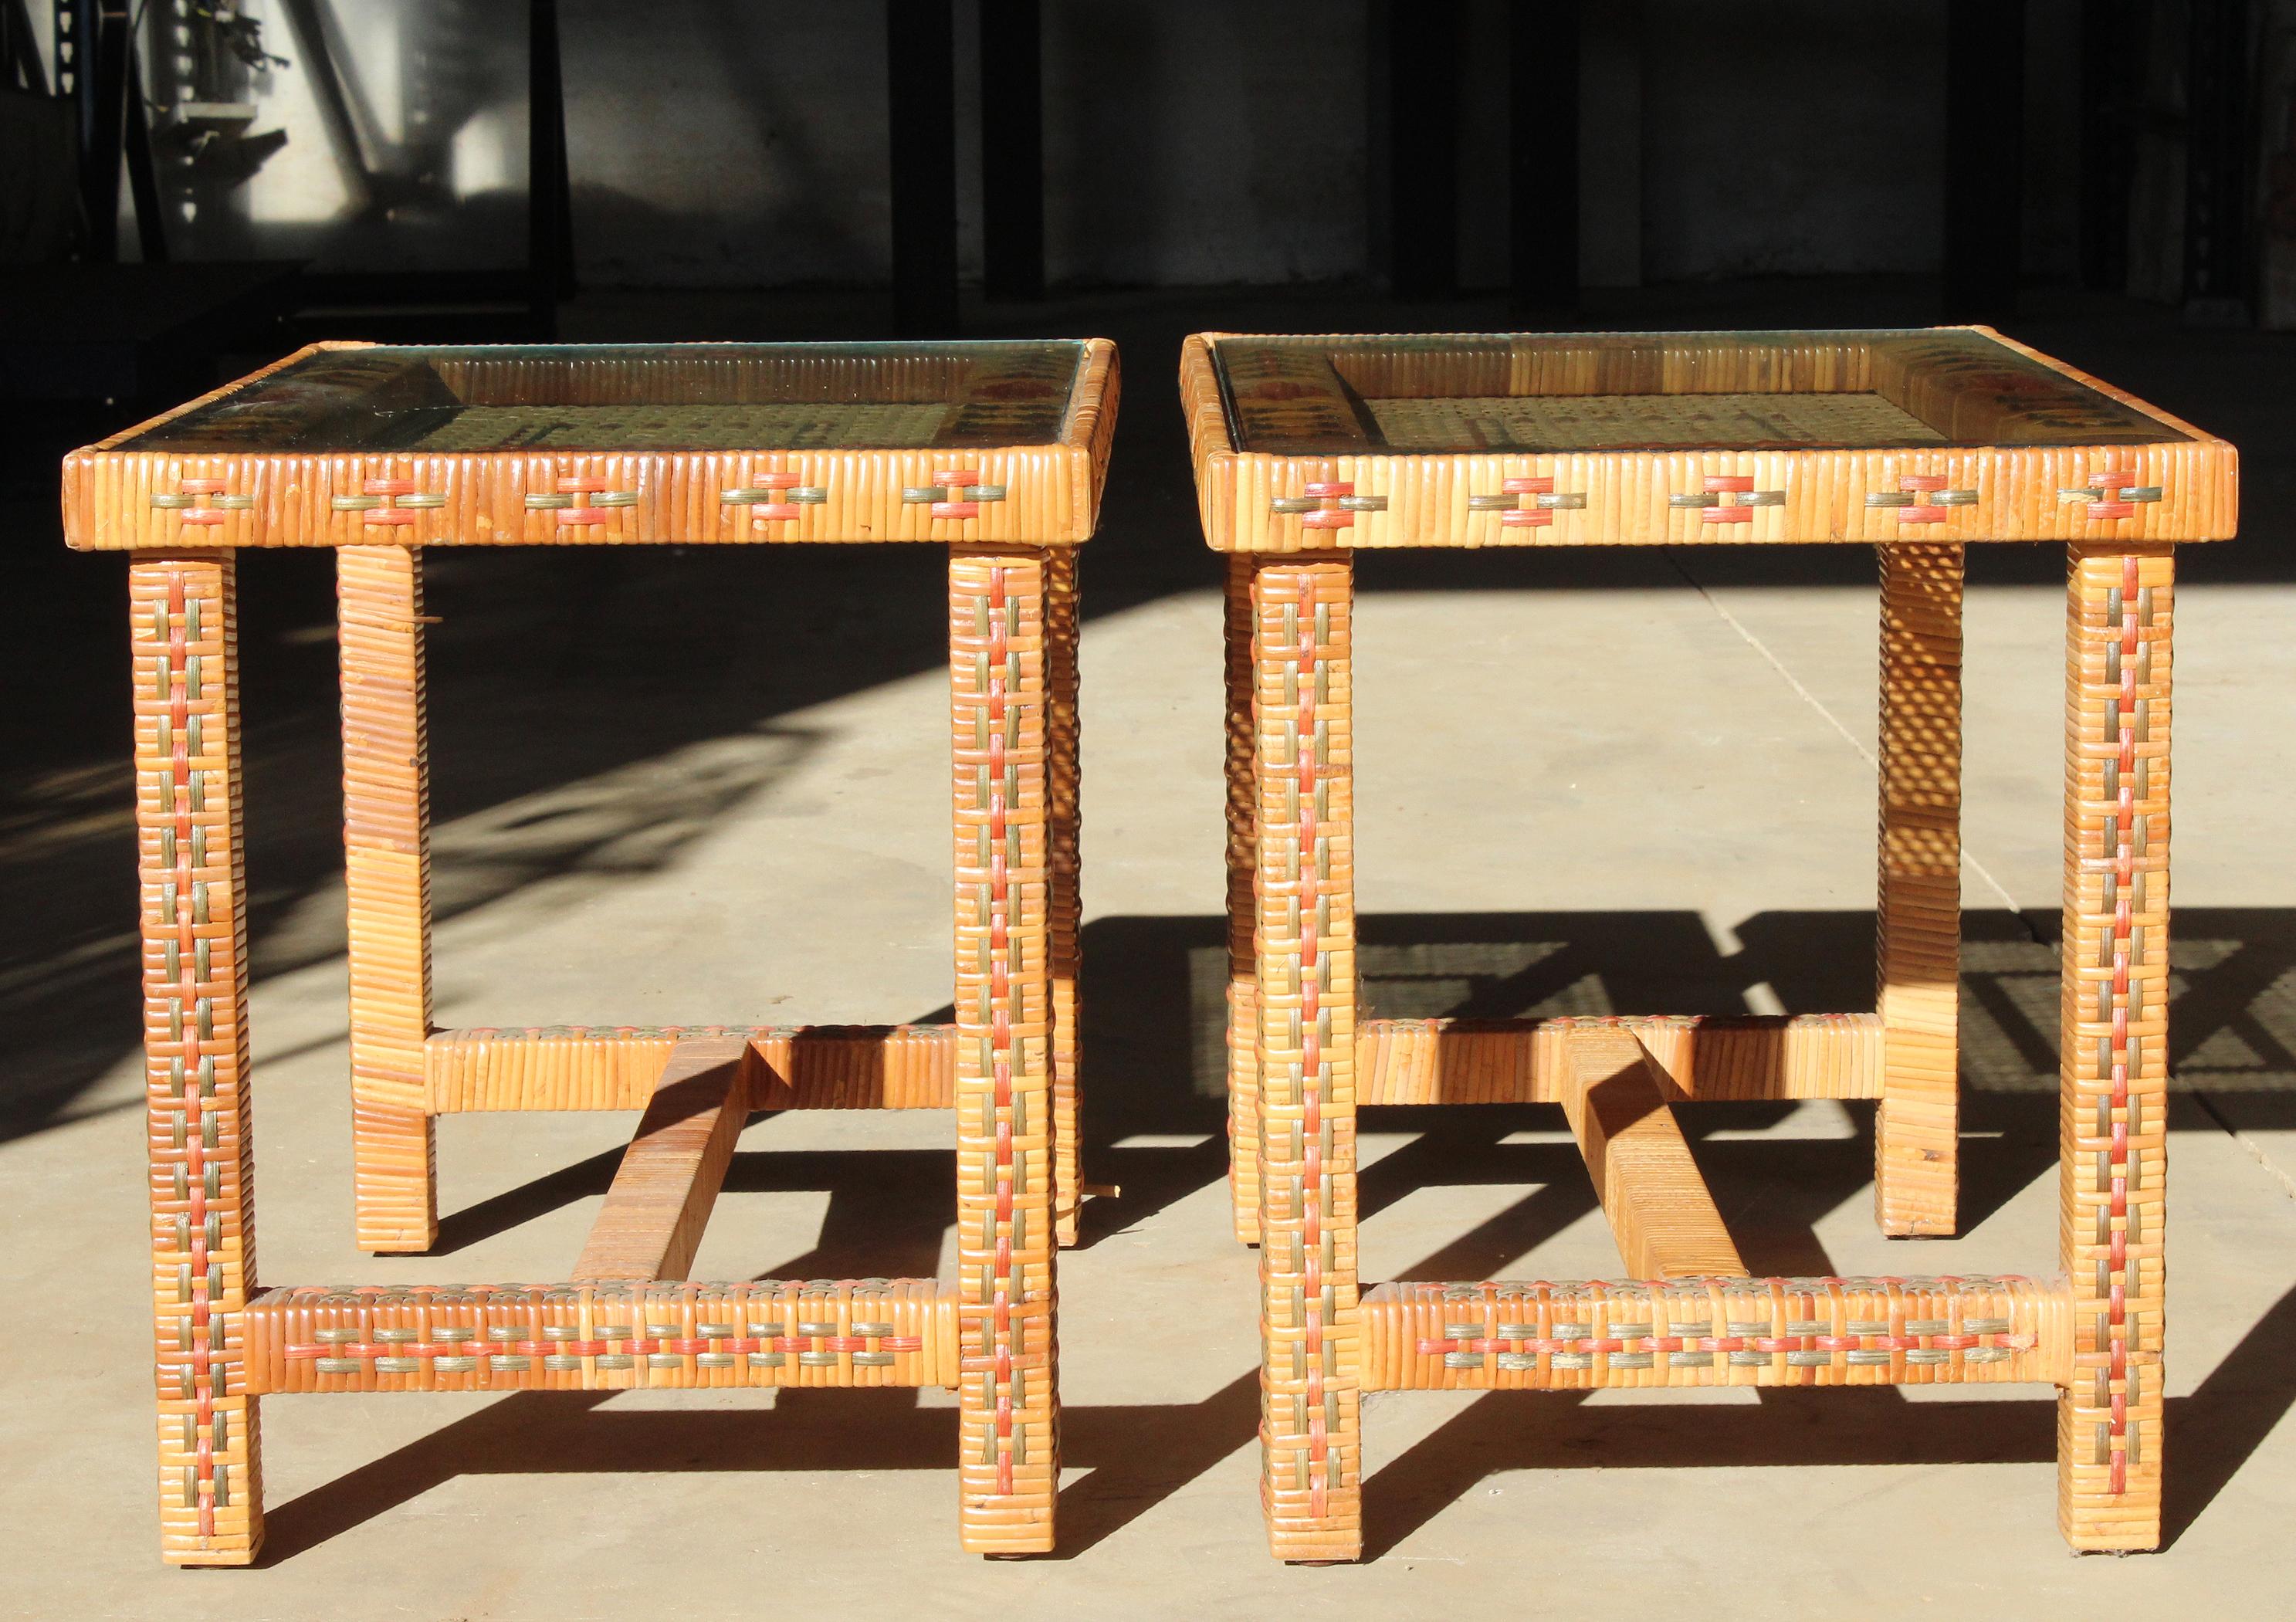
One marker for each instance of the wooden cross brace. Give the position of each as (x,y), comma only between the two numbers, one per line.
(670,1175)
(1659,1210)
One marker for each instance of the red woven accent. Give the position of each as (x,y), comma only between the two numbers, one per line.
(1527,487)
(1921,515)
(388,515)
(583,515)
(644,1346)
(388,487)
(203,1346)
(203,487)
(1545,1347)
(583,481)
(204,515)
(1308,653)
(1527,517)
(1333,489)
(1003,1330)
(779,482)
(958,478)
(1329,518)
(1922,481)
(2111,509)
(1716,484)
(1726,515)
(942,508)
(2115,479)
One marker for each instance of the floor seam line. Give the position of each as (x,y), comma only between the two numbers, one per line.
(1811,698)
(2256,1150)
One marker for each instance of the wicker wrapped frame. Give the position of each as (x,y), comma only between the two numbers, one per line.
(2035,484)
(1303,1058)
(1008,1064)
(120,496)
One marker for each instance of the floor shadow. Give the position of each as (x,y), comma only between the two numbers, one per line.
(1136,1456)
(1155,1058)
(2212,1432)
(1133,1457)
(1506,1431)
(1154,1122)
(498,1214)
(2210,1435)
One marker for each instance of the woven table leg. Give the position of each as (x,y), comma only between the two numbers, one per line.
(1242,864)
(1008,1411)
(1918,902)
(195,930)
(1062,830)
(1310,1329)
(386,869)
(2114,1057)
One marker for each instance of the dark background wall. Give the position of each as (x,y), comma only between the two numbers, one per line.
(1186,142)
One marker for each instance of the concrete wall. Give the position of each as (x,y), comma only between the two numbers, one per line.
(1186,141)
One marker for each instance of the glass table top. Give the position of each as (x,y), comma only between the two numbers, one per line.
(952,396)
(1632,391)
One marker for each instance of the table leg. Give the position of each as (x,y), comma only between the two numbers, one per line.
(1918,911)
(1008,1415)
(1310,1328)
(386,870)
(1062,831)
(194,931)
(2114,1057)
(1242,864)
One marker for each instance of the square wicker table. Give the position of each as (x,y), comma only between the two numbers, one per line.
(994,451)
(1914,443)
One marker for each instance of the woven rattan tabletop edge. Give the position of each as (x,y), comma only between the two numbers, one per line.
(1255,501)
(2090,380)
(1061,481)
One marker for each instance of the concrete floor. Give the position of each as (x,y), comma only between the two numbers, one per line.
(1659,798)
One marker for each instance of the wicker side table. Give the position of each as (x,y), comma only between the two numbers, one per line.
(996,451)
(1917,443)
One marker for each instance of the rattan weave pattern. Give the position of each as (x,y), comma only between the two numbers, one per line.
(1242,672)
(1608,421)
(1733,1331)
(1063,875)
(1302,1059)
(2121,617)
(2009,468)
(1305,1047)
(202,1174)
(1008,1063)
(613,1067)
(677,428)
(1008,1415)
(386,874)
(593,1337)
(1917,911)
(121,495)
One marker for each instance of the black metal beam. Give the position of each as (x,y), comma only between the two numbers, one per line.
(74,35)
(20,53)
(2109,56)
(316,63)
(1012,149)
(142,176)
(2219,103)
(1423,133)
(1543,57)
(550,231)
(920,41)
(103,91)
(1984,157)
